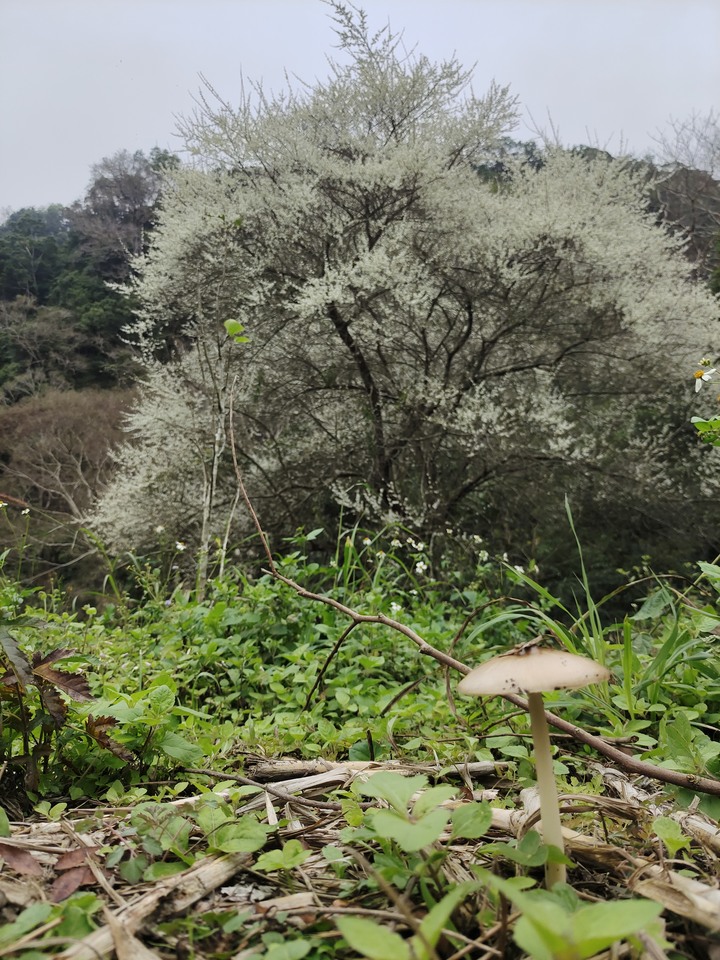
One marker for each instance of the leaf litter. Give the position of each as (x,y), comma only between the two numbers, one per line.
(609,839)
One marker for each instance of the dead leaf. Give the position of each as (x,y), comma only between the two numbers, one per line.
(20,860)
(19,662)
(75,685)
(21,893)
(59,653)
(69,881)
(52,701)
(73,858)
(97,728)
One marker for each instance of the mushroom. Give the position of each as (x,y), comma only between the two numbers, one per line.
(530,669)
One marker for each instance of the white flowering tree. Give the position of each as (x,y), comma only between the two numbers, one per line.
(427,341)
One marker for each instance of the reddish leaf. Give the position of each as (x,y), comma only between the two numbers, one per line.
(75,685)
(69,881)
(74,858)
(18,661)
(53,702)
(20,860)
(58,654)
(97,728)
(8,687)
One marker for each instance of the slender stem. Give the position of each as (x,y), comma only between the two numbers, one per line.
(549,807)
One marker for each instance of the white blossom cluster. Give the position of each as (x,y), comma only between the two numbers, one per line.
(419,333)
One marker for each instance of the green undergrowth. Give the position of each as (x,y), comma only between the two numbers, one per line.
(256,669)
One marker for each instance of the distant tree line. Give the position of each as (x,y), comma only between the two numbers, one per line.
(66,371)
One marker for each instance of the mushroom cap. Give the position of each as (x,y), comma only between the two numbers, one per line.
(533,671)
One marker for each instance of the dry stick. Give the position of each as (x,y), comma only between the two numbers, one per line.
(688,780)
(273,791)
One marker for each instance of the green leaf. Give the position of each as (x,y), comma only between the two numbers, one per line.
(599,925)
(4,824)
(437,919)
(293,854)
(654,606)
(542,930)
(409,836)
(392,787)
(529,852)
(29,919)
(209,816)
(711,570)
(433,797)
(671,835)
(371,940)
(235,330)
(77,912)
(177,747)
(132,870)
(161,698)
(360,751)
(288,950)
(547,931)
(533,941)
(471,820)
(161,870)
(244,836)
(709,429)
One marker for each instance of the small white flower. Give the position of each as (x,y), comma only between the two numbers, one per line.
(367,541)
(395,544)
(395,608)
(518,568)
(25,512)
(483,556)
(2,504)
(420,566)
(180,546)
(160,529)
(703,376)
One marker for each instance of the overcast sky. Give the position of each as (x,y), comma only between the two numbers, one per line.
(81,79)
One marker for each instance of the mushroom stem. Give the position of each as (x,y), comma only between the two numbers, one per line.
(549,807)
